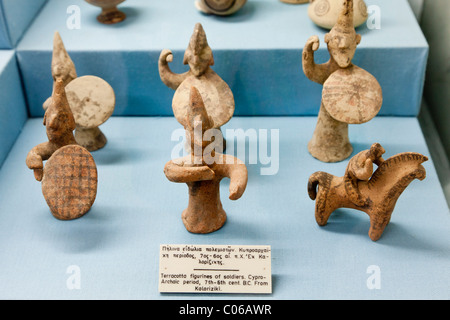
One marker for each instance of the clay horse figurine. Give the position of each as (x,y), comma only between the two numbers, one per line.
(217,96)
(374,193)
(202,171)
(69,178)
(350,94)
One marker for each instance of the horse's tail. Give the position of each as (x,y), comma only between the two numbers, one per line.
(318,178)
(319,185)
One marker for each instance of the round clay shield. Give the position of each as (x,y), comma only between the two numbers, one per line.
(352,95)
(91,99)
(216,94)
(69,183)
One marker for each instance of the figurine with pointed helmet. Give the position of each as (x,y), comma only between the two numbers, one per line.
(217,95)
(59,123)
(205,213)
(342,40)
(198,54)
(350,94)
(91,99)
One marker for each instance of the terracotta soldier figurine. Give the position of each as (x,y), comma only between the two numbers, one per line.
(202,171)
(350,94)
(91,99)
(375,193)
(216,94)
(59,123)
(69,178)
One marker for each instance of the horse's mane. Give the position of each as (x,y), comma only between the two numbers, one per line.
(406,159)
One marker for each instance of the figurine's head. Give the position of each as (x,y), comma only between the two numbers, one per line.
(62,65)
(342,40)
(376,151)
(198,55)
(58,119)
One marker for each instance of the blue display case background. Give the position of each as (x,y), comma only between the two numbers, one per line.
(15,18)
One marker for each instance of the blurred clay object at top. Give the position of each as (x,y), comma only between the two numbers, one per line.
(219,7)
(325,13)
(109,14)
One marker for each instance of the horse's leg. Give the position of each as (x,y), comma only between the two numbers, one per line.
(328,201)
(378,222)
(322,215)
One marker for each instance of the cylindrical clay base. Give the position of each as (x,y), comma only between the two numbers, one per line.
(111,16)
(90,138)
(204,213)
(330,142)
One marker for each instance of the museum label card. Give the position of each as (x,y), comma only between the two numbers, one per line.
(215,269)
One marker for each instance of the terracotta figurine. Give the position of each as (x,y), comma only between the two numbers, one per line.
(202,171)
(110,14)
(217,95)
(350,94)
(69,179)
(91,99)
(374,193)
(325,13)
(219,7)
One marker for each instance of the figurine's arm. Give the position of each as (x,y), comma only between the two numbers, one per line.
(36,157)
(170,79)
(236,170)
(177,171)
(315,72)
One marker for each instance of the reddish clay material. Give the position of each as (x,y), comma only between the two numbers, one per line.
(374,193)
(59,124)
(350,94)
(202,171)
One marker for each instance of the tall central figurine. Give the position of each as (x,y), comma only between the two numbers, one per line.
(203,170)
(350,94)
(217,95)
